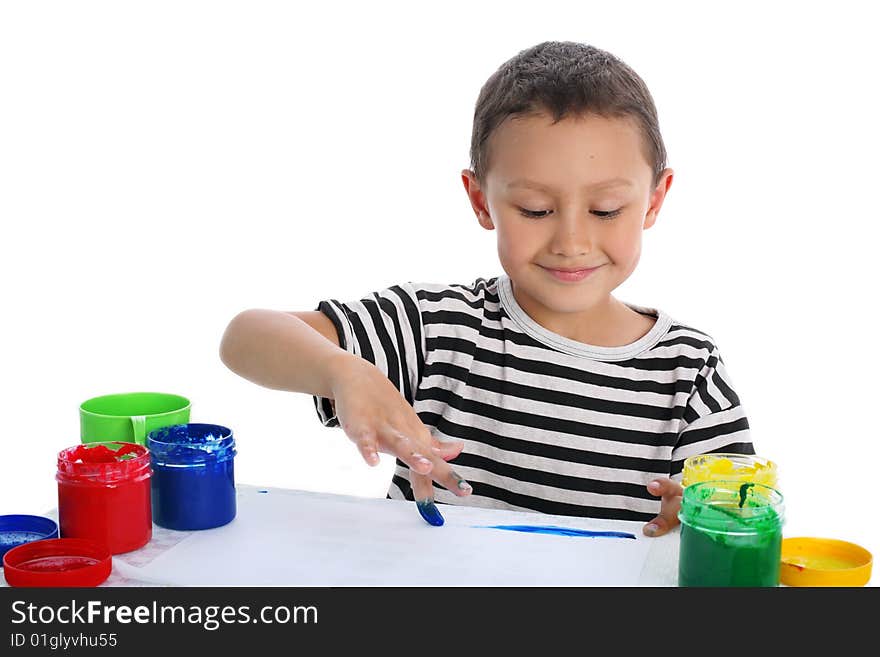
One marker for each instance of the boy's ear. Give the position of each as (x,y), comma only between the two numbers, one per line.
(657,197)
(477,199)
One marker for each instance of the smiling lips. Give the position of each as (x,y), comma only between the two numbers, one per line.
(570,275)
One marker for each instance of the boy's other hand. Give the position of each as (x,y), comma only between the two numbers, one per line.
(669,492)
(377,418)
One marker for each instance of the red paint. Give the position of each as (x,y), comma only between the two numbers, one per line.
(100,453)
(104,494)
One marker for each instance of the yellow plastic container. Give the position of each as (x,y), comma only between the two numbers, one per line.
(824,562)
(729,467)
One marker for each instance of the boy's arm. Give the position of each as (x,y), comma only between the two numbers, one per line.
(293,351)
(715,421)
(299,352)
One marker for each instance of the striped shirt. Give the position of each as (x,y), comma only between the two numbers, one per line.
(549,424)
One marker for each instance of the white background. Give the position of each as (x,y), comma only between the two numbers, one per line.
(165,165)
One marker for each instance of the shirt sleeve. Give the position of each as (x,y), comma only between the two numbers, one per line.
(714,418)
(384,328)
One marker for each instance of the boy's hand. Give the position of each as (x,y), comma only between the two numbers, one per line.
(376,417)
(670,493)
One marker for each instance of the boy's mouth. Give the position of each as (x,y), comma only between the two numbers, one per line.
(569,274)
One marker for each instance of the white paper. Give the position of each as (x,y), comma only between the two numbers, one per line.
(297,538)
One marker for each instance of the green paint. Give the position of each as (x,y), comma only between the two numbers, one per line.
(743,491)
(731,535)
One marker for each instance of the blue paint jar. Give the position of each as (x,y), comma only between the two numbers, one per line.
(193,483)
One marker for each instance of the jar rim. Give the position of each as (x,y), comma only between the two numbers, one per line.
(730,506)
(157,436)
(733,456)
(192,443)
(71,467)
(769,494)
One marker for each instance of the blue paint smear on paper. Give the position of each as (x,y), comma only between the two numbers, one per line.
(558,531)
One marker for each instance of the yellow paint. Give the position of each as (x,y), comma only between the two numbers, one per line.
(729,467)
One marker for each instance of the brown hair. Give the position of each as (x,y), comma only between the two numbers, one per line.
(563,78)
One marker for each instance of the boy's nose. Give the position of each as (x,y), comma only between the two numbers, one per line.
(573,235)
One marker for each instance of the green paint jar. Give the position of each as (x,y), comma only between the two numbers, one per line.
(731,534)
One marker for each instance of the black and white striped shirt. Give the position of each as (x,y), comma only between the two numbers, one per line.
(549,424)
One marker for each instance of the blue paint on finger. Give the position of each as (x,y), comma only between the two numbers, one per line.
(429,512)
(559,531)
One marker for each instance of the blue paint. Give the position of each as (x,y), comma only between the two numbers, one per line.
(193,483)
(262,491)
(558,531)
(11,539)
(430,512)
(17,530)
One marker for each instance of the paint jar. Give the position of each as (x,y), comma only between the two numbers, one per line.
(731,534)
(104,494)
(729,467)
(193,476)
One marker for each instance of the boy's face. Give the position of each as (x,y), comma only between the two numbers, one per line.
(583,218)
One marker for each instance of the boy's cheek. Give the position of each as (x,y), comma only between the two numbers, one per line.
(625,254)
(515,251)
(626,241)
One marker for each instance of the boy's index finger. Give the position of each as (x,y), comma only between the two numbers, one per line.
(440,471)
(423,490)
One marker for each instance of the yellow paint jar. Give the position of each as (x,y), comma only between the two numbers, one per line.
(729,467)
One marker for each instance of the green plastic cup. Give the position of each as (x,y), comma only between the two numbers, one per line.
(129,417)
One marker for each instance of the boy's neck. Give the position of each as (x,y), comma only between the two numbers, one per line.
(610,323)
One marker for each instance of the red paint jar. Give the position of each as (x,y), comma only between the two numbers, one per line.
(104,494)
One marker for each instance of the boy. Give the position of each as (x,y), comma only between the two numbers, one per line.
(537,389)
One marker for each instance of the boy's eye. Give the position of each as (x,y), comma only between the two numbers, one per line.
(539,214)
(533,214)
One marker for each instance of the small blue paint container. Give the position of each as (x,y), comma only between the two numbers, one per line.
(193,483)
(17,530)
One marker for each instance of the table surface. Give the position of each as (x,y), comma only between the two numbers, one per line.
(660,567)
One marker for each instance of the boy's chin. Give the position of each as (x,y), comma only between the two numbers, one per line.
(566,299)
(571,306)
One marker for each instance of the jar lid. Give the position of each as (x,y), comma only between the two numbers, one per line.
(58,562)
(17,530)
(808,561)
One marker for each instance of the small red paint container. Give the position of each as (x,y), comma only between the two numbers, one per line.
(104,494)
